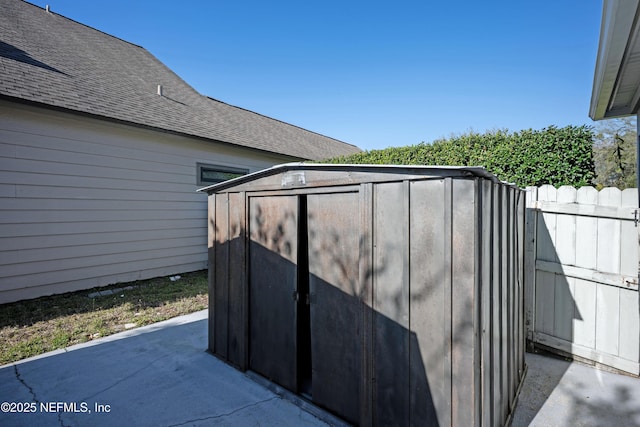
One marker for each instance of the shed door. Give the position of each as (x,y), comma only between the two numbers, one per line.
(334,233)
(273,256)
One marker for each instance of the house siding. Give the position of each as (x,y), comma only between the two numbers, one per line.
(86,202)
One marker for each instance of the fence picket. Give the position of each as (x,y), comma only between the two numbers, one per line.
(608,257)
(582,284)
(629,325)
(530,260)
(566,228)
(629,234)
(587,196)
(607,319)
(547,193)
(584,328)
(610,196)
(629,197)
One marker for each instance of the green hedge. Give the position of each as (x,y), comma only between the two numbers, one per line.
(557,156)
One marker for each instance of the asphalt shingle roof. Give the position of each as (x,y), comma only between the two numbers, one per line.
(49,59)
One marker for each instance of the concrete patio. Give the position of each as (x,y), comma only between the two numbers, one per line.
(557,392)
(160,375)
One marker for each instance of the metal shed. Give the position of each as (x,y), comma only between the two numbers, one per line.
(388,295)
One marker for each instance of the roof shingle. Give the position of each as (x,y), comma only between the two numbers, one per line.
(49,59)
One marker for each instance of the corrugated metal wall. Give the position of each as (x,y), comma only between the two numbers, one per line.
(410,291)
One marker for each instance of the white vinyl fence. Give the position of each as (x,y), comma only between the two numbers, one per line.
(581,273)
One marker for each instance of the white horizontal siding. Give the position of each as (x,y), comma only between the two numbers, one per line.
(79,227)
(50,216)
(75,240)
(7,190)
(15,294)
(84,170)
(71,263)
(87,203)
(40,179)
(71,159)
(87,193)
(12,258)
(11,203)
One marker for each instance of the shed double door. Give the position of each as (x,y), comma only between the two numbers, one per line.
(305,311)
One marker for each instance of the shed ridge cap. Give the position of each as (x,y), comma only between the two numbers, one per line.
(462,171)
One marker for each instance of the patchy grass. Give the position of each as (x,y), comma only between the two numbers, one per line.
(29,328)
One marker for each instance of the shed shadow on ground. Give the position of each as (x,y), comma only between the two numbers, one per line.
(560,392)
(552,297)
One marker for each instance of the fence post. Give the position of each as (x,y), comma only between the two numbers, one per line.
(531,224)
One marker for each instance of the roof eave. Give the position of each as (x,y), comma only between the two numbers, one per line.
(138,125)
(618,19)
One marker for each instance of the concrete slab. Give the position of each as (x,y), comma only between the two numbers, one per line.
(557,392)
(159,375)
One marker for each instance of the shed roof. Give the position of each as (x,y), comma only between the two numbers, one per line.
(297,175)
(616,85)
(56,62)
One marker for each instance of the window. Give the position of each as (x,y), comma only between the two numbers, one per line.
(213,174)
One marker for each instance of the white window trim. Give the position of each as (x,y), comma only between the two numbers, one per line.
(202,167)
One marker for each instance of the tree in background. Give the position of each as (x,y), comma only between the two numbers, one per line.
(614,153)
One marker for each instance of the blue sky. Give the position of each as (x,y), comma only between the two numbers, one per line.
(371,73)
